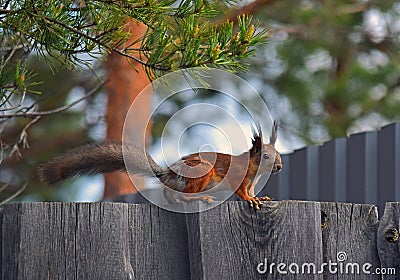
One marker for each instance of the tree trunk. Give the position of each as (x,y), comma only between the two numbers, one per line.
(127,79)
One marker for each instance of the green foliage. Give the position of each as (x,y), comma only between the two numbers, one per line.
(195,42)
(178,36)
(66,29)
(337,63)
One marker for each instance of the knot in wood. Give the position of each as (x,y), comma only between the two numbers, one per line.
(392,235)
(324,220)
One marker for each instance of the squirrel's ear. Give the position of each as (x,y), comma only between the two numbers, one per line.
(274,133)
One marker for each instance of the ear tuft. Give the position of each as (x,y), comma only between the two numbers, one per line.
(256,139)
(274,133)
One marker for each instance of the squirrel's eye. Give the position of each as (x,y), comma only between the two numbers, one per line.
(265,156)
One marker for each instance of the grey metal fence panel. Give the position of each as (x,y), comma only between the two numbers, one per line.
(304,172)
(363,168)
(312,173)
(388,164)
(356,168)
(283,179)
(332,168)
(371,175)
(341,170)
(298,174)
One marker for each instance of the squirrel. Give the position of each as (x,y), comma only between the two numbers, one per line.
(191,174)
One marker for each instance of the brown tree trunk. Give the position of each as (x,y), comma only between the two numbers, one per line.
(127,79)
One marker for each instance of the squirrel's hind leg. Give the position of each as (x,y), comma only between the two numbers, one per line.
(191,191)
(192,197)
(172,198)
(197,185)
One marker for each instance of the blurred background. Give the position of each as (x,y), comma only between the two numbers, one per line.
(329,69)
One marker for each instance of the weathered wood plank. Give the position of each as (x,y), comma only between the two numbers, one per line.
(92,241)
(65,240)
(232,240)
(389,241)
(158,243)
(101,241)
(349,240)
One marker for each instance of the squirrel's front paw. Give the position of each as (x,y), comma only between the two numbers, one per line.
(255,202)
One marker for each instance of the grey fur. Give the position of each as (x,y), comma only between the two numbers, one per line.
(98,158)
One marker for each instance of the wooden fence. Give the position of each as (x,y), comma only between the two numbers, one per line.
(307,240)
(231,241)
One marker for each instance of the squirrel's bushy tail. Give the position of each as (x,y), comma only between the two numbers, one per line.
(98,158)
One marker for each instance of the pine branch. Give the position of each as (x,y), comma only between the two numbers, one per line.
(54,111)
(46,31)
